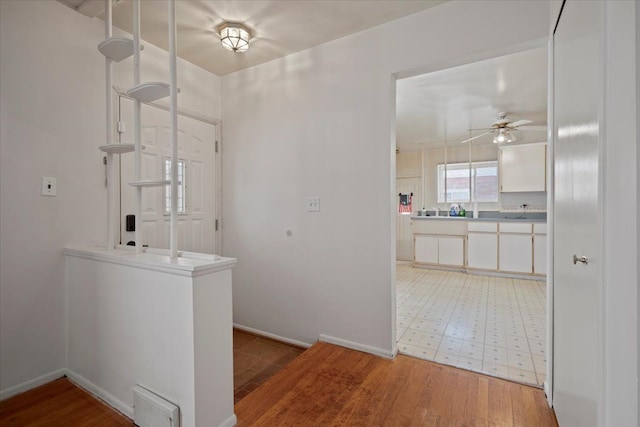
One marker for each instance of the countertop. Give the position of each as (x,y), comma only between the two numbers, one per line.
(464,218)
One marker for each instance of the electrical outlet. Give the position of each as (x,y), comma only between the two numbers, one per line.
(313,204)
(48,186)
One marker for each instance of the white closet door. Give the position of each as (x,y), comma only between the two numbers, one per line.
(577,288)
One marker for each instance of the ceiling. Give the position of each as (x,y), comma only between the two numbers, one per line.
(278,27)
(430,108)
(443,105)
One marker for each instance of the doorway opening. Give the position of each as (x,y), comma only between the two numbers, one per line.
(471,257)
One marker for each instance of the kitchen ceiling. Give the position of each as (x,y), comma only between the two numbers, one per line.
(278,27)
(442,105)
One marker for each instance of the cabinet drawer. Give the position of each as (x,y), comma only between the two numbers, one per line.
(510,227)
(439,226)
(540,228)
(482,226)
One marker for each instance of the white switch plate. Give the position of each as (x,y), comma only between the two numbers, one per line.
(48,186)
(313,204)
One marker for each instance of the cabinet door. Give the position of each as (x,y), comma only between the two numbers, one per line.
(426,249)
(516,253)
(540,254)
(523,168)
(482,251)
(451,251)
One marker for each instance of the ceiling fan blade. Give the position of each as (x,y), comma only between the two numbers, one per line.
(471,130)
(475,137)
(519,123)
(532,128)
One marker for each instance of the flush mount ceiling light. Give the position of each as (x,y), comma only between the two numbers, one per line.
(234,37)
(503,136)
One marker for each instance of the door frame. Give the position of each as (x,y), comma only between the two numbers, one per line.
(119,93)
(493,53)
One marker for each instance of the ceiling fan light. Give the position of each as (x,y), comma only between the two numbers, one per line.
(234,37)
(503,136)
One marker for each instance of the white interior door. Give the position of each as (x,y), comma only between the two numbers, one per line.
(196,152)
(577,296)
(404,236)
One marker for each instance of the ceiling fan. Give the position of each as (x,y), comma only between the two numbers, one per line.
(503,128)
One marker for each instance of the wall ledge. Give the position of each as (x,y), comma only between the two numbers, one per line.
(189,264)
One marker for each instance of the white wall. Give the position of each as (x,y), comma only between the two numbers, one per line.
(620,215)
(318,123)
(51,123)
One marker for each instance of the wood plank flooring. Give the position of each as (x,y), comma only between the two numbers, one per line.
(59,404)
(326,386)
(256,359)
(330,385)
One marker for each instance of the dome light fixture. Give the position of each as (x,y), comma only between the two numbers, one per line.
(234,37)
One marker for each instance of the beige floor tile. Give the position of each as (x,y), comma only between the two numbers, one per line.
(488,324)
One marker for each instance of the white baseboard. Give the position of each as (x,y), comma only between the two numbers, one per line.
(100,393)
(28,385)
(547,393)
(272,336)
(357,346)
(230,422)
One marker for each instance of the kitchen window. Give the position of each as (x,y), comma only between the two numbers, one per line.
(468,182)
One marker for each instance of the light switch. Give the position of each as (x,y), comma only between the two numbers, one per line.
(313,204)
(48,186)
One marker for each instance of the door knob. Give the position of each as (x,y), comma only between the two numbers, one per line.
(583,259)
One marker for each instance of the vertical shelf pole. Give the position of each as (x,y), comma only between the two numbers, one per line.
(137,125)
(109,118)
(173,94)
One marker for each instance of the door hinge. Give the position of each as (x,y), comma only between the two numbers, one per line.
(216,225)
(216,146)
(121,127)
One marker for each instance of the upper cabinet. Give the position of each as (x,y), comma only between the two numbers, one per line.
(523,168)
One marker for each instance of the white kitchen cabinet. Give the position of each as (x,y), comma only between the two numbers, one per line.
(540,249)
(482,250)
(516,253)
(440,250)
(451,251)
(426,249)
(522,168)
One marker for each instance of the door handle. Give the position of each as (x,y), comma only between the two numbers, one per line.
(583,259)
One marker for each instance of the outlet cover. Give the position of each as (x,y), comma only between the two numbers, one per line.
(48,186)
(313,204)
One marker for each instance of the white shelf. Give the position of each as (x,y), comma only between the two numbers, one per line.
(149,92)
(117,48)
(150,183)
(117,148)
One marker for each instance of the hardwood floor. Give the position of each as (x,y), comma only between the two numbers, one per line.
(59,404)
(325,385)
(330,385)
(256,359)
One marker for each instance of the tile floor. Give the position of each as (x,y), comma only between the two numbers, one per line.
(256,359)
(493,325)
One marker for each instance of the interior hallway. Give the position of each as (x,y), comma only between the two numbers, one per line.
(493,325)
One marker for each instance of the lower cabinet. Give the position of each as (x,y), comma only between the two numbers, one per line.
(502,247)
(441,250)
(426,249)
(451,251)
(482,251)
(540,249)
(516,253)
